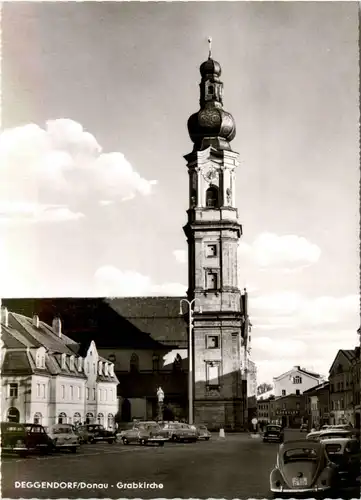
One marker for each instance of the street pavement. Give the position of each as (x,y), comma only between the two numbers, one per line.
(237,466)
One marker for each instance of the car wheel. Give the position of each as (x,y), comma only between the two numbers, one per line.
(161,443)
(207,439)
(143,442)
(125,441)
(174,438)
(91,440)
(110,441)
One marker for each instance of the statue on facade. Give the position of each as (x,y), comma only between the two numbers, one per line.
(160,395)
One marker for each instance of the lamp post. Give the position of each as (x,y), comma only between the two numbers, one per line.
(190,353)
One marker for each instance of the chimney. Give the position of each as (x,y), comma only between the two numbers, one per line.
(4,316)
(36,321)
(57,326)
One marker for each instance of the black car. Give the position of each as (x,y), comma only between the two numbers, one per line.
(92,433)
(23,439)
(273,432)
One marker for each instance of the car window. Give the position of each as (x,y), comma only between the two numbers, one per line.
(331,435)
(36,430)
(273,428)
(297,454)
(62,430)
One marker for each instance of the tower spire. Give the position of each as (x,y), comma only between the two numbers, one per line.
(209,47)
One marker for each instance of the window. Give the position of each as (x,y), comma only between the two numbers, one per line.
(89,418)
(71,362)
(283,392)
(297,392)
(134,363)
(94,369)
(13,390)
(297,380)
(87,392)
(100,419)
(342,404)
(111,370)
(63,361)
(110,420)
(44,391)
(100,367)
(211,280)
(63,391)
(212,197)
(211,250)
(79,392)
(38,390)
(80,364)
(94,394)
(71,392)
(38,418)
(99,394)
(212,341)
(77,418)
(210,90)
(155,361)
(62,418)
(212,369)
(106,369)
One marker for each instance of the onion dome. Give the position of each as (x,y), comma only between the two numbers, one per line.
(211,125)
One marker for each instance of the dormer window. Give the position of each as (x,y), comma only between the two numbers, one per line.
(63,361)
(40,358)
(100,367)
(72,362)
(111,370)
(106,369)
(80,364)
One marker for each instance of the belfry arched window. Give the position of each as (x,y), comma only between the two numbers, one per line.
(134,363)
(212,196)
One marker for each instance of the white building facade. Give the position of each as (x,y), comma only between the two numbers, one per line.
(295,381)
(48,378)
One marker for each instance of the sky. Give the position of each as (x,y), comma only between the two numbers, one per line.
(94,186)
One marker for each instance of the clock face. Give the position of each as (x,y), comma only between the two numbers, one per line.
(209,174)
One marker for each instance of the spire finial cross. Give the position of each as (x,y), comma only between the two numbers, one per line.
(210,47)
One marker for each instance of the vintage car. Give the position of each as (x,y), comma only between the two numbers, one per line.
(313,435)
(273,432)
(203,432)
(145,433)
(345,453)
(92,433)
(38,439)
(180,432)
(303,469)
(23,439)
(64,437)
(123,427)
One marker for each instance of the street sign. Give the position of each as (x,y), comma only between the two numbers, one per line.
(254,421)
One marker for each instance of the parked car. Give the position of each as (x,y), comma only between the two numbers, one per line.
(23,439)
(345,453)
(180,432)
(38,439)
(203,432)
(273,432)
(64,437)
(304,428)
(91,433)
(145,433)
(302,468)
(122,428)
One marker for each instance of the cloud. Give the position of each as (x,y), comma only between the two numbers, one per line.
(280,349)
(181,256)
(61,165)
(287,252)
(112,282)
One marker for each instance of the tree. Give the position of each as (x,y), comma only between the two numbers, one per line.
(262,388)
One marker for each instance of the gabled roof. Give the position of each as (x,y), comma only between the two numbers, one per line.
(300,370)
(319,387)
(117,323)
(348,354)
(16,363)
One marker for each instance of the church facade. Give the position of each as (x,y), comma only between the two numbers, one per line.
(220,320)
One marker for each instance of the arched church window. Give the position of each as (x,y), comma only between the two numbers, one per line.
(212,197)
(134,363)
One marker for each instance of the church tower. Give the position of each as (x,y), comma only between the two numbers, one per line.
(213,232)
